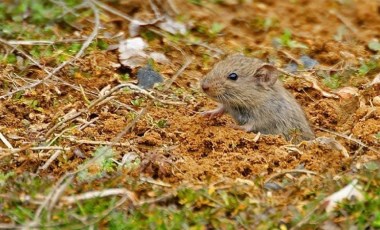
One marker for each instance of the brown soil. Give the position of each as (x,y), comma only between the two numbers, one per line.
(191,147)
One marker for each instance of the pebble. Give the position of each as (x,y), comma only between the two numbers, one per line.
(376,101)
(147,77)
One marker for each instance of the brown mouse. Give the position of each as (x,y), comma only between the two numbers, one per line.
(249,90)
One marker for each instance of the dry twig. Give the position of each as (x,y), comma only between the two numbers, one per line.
(5,141)
(98,194)
(155,182)
(172,6)
(51,159)
(122,15)
(291,171)
(311,80)
(291,57)
(109,143)
(16,150)
(43,42)
(179,72)
(68,118)
(346,22)
(350,139)
(135,87)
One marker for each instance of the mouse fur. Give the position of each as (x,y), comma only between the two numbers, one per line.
(257,99)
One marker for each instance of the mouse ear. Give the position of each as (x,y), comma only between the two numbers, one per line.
(266,75)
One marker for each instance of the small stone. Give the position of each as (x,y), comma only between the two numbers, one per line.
(376,101)
(347,92)
(308,62)
(272,186)
(148,77)
(291,67)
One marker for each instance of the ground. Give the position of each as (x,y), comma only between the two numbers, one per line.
(174,159)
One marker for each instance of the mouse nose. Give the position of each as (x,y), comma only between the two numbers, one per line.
(205,87)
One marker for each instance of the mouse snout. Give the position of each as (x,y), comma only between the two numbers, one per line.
(205,87)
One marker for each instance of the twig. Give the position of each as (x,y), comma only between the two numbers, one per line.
(105,95)
(86,124)
(306,218)
(5,141)
(333,144)
(112,10)
(9,226)
(157,199)
(31,42)
(345,21)
(151,181)
(84,94)
(311,80)
(291,171)
(129,126)
(155,9)
(290,56)
(16,150)
(143,91)
(122,15)
(58,192)
(179,72)
(98,194)
(135,87)
(51,159)
(207,46)
(172,6)
(43,42)
(292,148)
(53,140)
(46,201)
(68,118)
(97,142)
(165,35)
(350,139)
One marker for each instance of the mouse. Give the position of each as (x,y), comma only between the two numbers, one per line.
(250,91)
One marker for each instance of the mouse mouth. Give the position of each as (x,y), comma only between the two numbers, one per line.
(232,99)
(222,98)
(215,95)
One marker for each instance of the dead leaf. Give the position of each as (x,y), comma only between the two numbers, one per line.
(376,101)
(347,92)
(375,81)
(352,190)
(134,27)
(159,57)
(171,26)
(333,144)
(132,53)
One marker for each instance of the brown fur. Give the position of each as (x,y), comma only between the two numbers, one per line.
(256,100)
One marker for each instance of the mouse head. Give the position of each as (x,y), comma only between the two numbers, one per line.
(239,78)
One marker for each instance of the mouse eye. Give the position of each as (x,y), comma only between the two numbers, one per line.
(233,76)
